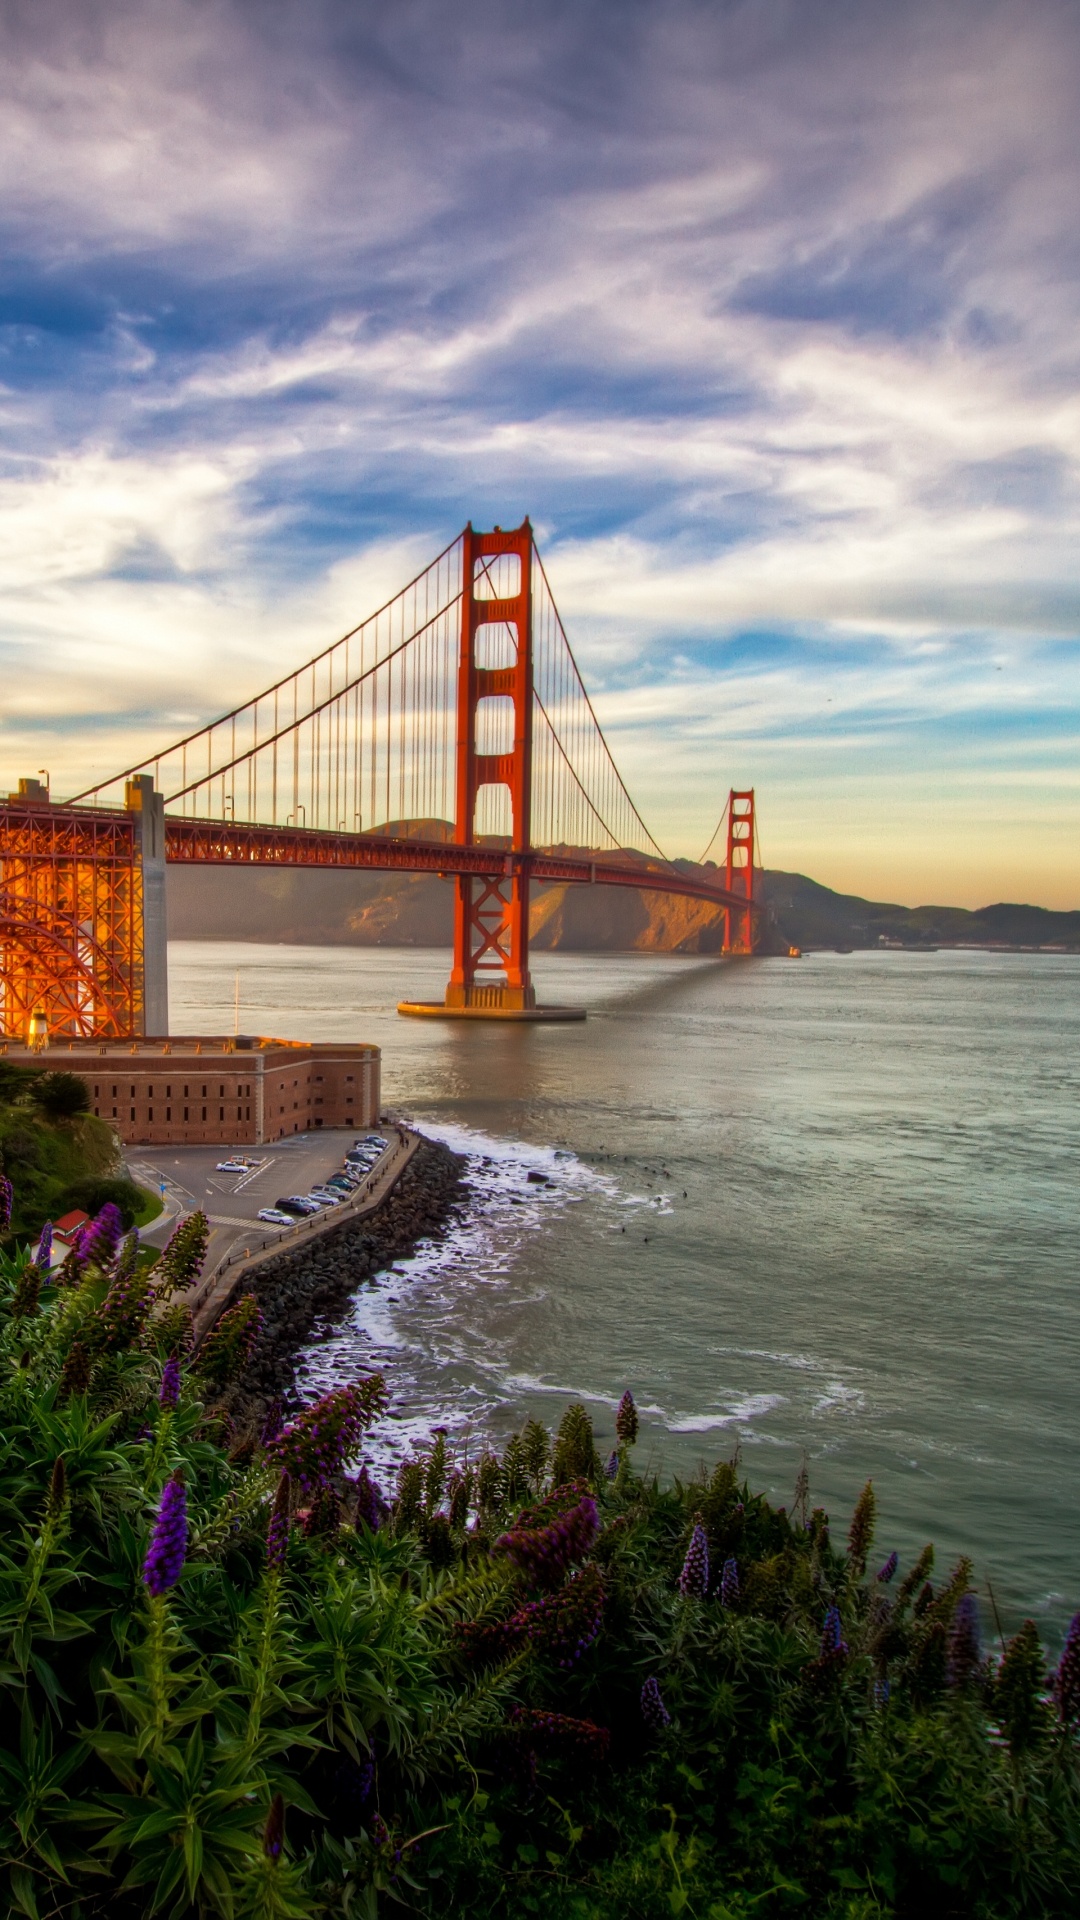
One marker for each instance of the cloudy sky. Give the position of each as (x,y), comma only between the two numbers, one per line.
(765,310)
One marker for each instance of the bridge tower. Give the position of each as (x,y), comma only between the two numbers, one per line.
(490,972)
(739,878)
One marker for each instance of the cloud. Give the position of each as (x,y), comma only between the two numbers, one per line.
(766,313)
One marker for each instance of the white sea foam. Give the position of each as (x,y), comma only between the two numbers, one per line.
(746,1408)
(424,1296)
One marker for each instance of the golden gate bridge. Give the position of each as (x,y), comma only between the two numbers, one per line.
(449,733)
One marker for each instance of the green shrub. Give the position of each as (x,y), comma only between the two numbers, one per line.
(61,1096)
(89,1196)
(242,1683)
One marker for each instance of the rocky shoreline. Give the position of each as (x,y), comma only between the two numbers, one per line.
(313,1284)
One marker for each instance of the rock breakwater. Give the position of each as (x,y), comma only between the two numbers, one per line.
(311,1285)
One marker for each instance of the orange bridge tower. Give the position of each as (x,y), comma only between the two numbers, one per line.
(739,925)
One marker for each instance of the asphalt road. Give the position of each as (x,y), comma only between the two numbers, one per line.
(231,1201)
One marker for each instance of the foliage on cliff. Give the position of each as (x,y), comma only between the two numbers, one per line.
(53,1159)
(243,1681)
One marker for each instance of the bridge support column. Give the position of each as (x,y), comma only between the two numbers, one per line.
(148,809)
(739,925)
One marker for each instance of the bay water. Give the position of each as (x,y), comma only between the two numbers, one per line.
(825,1208)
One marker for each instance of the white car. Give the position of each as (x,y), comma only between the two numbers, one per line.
(233,1166)
(324,1199)
(275,1218)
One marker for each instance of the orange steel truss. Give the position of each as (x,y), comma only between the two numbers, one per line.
(491,911)
(71,921)
(739,923)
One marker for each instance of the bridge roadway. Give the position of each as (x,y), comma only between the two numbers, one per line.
(209,843)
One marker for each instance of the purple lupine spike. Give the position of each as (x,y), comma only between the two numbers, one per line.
(274,1830)
(885,1573)
(1066,1683)
(965,1652)
(364,1778)
(653,1711)
(612,1467)
(103,1236)
(729,1582)
(168,1543)
(44,1252)
(169,1390)
(626,1420)
(545,1553)
(7,1202)
(273,1420)
(561,1625)
(694,1578)
(832,1633)
(314,1446)
(371,1507)
(277,1533)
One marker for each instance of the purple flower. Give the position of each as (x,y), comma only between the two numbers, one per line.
(832,1634)
(612,1467)
(169,1390)
(365,1774)
(44,1252)
(545,1553)
(1067,1678)
(964,1652)
(168,1544)
(535,1727)
(7,1201)
(102,1238)
(277,1533)
(887,1571)
(626,1420)
(313,1448)
(694,1578)
(272,1421)
(561,1625)
(380,1832)
(371,1508)
(653,1711)
(729,1582)
(274,1830)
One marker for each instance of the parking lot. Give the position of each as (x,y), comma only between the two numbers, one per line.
(231,1201)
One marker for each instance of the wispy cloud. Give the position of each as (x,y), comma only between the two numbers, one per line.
(767,314)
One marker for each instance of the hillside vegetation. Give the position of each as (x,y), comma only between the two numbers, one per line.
(245,1682)
(55,1162)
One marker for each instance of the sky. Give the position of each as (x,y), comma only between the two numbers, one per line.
(764,310)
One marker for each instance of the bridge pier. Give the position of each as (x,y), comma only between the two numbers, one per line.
(148,810)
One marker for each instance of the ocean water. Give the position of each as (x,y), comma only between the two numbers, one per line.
(827,1207)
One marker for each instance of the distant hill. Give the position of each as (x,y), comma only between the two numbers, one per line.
(303,906)
(808,915)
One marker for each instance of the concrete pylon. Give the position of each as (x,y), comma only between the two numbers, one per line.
(148,808)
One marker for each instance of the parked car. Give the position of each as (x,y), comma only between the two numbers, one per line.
(325,1199)
(337,1182)
(274,1217)
(297,1204)
(233,1166)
